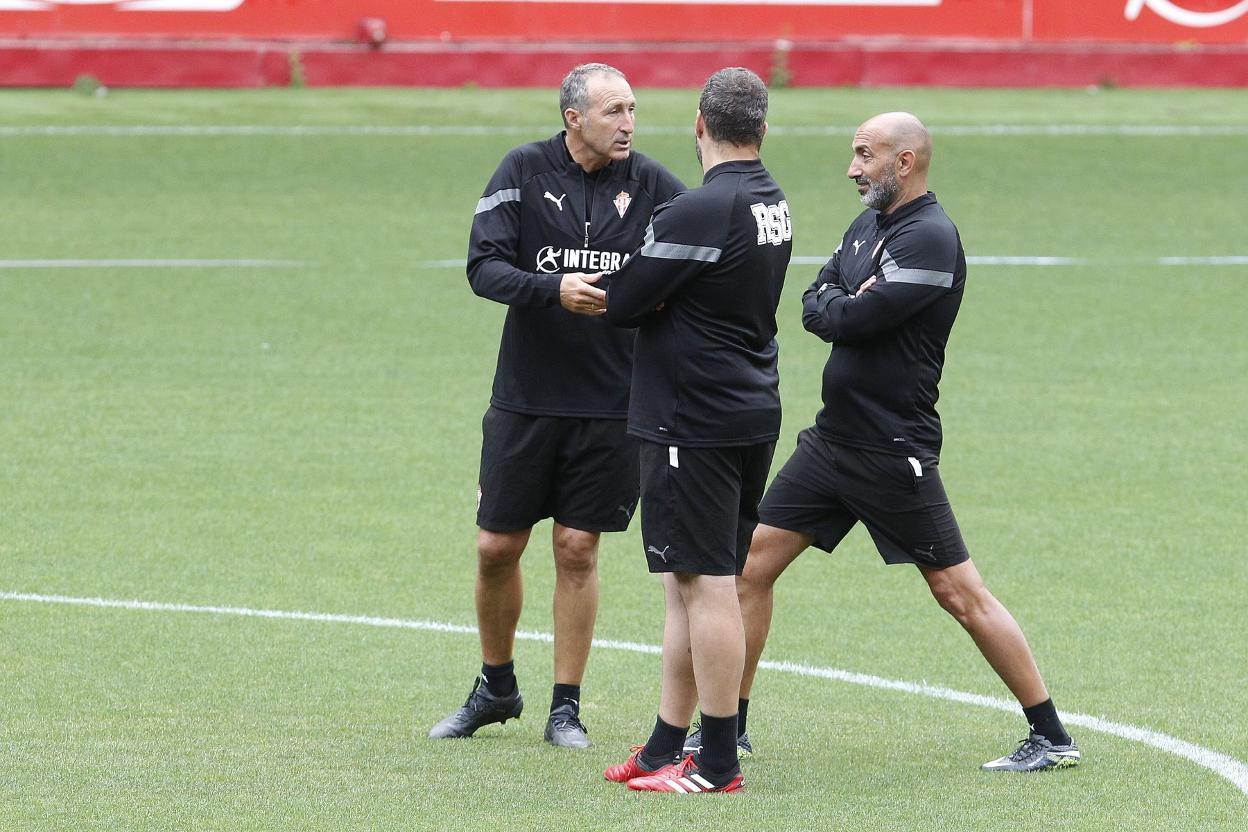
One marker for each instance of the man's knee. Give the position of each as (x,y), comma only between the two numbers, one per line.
(576,551)
(698,590)
(754,580)
(959,590)
(771,552)
(500,550)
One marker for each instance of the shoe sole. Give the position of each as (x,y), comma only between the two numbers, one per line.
(471,733)
(685,787)
(553,744)
(1054,764)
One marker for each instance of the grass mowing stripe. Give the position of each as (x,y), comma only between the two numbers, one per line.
(150,264)
(986,260)
(1011,130)
(1221,764)
(1001,260)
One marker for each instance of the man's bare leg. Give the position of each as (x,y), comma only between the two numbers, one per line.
(500,592)
(771,552)
(575,608)
(678,695)
(716,639)
(576,601)
(961,592)
(717,645)
(499,597)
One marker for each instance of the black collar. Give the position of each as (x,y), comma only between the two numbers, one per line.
(885,220)
(735,166)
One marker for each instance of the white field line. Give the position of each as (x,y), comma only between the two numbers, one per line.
(460,130)
(987,260)
(149,264)
(991,260)
(1221,764)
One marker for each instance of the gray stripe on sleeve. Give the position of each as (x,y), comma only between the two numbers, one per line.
(677,251)
(489,203)
(924,277)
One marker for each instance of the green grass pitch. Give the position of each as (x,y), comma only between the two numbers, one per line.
(302,435)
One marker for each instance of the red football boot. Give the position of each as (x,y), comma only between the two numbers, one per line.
(684,778)
(631,768)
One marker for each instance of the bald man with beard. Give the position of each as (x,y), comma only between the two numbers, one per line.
(886,301)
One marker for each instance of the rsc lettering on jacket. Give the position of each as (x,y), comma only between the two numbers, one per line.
(774,224)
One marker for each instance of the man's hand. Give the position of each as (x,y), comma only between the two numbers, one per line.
(866,284)
(578,294)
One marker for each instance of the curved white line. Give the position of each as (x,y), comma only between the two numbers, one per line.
(1223,765)
(1167,10)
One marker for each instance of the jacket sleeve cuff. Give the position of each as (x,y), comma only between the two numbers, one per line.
(549,287)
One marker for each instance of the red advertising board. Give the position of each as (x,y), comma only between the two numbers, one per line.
(703,21)
(1142,21)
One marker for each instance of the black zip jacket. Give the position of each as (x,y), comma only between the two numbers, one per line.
(540,217)
(705,372)
(888,344)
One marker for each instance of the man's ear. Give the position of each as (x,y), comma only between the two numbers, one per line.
(699,125)
(905,162)
(572,117)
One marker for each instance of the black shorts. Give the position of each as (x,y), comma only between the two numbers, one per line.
(581,472)
(699,506)
(826,487)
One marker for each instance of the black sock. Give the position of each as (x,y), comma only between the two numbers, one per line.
(719,745)
(500,679)
(743,707)
(1043,720)
(664,744)
(566,695)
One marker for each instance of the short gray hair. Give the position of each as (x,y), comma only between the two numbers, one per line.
(734,107)
(574,92)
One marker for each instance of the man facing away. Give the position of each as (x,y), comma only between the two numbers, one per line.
(886,301)
(555,215)
(705,404)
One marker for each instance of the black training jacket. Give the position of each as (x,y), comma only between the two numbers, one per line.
(705,372)
(888,344)
(540,217)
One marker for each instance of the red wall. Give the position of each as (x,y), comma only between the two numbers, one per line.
(1002,43)
(1154,21)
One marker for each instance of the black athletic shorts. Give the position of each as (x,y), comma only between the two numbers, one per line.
(581,472)
(826,487)
(699,506)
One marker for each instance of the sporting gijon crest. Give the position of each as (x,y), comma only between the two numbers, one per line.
(622,200)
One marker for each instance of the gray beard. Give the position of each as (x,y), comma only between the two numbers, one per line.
(881,194)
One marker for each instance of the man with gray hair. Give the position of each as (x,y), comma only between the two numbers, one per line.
(555,219)
(703,292)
